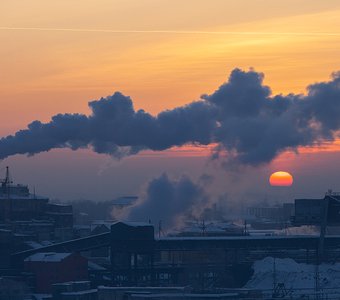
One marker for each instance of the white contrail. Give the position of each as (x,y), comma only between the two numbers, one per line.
(174,31)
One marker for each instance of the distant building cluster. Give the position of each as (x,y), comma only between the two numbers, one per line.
(270,217)
(28,214)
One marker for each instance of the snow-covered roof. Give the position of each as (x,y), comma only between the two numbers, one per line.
(136,224)
(59,213)
(218,228)
(186,295)
(85,292)
(103,222)
(109,223)
(46,243)
(146,288)
(41,296)
(23,197)
(98,223)
(94,266)
(60,204)
(79,227)
(205,296)
(48,257)
(36,245)
(276,237)
(33,244)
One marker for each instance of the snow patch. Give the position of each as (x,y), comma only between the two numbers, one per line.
(294,275)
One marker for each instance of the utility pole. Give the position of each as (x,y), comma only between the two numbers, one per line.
(203,227)
(7,185)
(274,275)
(245,227)
(323,227)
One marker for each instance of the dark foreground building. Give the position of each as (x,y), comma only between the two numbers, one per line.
(51,268)
(204,263)
(315,211)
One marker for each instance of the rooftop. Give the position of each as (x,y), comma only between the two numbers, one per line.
(48,257)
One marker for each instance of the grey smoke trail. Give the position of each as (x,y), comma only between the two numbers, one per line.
(170,201)
(248,124)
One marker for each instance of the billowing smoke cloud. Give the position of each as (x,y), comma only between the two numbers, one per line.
(170,201)
(115,128)
(242,117)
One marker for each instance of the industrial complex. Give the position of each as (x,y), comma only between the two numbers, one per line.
(45,255)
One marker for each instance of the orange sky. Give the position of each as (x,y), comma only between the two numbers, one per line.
(44,72)
(55,56)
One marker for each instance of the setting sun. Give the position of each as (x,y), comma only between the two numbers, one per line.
(281,179)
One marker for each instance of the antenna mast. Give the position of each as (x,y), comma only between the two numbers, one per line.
(7,185)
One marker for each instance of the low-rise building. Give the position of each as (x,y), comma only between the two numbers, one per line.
(50,268)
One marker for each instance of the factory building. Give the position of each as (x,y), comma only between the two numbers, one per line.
(17,203)
(26,213)
(314,211)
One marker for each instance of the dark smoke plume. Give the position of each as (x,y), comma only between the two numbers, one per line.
(242,117)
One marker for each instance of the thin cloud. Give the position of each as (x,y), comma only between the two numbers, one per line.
(184,32)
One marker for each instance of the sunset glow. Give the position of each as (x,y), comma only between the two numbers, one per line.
(164,56)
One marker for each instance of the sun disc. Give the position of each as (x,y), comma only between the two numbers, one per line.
(281,178)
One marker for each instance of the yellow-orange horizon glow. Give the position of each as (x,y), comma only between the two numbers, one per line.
(281,178)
